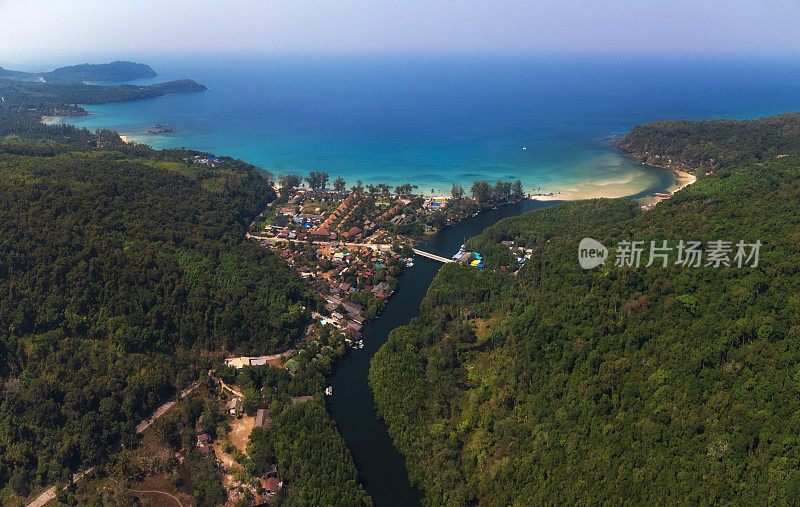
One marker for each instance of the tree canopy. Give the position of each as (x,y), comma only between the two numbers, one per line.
(617,384)
(120,266)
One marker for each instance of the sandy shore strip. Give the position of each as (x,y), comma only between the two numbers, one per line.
(684,180)
(552,197)
(442,194)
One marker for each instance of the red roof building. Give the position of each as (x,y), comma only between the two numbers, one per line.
(273,485)
(352,233)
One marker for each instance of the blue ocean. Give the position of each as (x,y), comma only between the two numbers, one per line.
(436,121)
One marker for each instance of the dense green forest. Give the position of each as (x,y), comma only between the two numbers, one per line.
(702,146)
(110,72)
(62,98)
(617,384)
(312,456)
(120,266)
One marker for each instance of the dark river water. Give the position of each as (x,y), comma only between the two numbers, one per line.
(381,468)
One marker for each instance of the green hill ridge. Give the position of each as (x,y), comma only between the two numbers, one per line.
(122,267)
(117,71)
(617,384)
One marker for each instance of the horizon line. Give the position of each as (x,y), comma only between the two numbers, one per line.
(42,62)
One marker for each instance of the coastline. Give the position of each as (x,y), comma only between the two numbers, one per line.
(53,120)
(590,181)
(589,189)
(554,197)
(684,180)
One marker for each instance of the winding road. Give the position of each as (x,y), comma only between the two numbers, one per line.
(51,492)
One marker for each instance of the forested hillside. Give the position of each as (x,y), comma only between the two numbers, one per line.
(63,98)
(702,146)
(617,384)
(111,72)
(316,461)
(120,266)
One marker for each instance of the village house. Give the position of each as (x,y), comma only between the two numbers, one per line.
(262,416)
(352,308)
(234,406)
(273,485)
(352,333)
(240,362)
(381,287)
(353,234)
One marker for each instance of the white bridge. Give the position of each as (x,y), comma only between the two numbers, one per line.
(432,256)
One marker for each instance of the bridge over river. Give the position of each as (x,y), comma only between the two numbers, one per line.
(432,256)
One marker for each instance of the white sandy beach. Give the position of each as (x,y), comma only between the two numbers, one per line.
(684,180)
(613,188)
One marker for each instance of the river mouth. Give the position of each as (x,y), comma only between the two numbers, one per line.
(380,466)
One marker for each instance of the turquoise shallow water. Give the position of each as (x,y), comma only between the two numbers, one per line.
(438,121)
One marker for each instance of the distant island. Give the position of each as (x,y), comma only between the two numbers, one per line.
(60,92)
(115,211)
(119,71)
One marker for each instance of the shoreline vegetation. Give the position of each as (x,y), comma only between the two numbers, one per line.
(207,262)
(504,386)
(682,178)
(596,190)
(158,272)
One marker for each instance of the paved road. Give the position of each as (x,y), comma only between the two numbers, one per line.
(50,493)
(268,239)
(163,409)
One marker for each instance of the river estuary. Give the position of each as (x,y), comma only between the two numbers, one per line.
(381,468)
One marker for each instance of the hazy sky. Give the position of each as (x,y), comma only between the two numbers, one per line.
(96,28)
